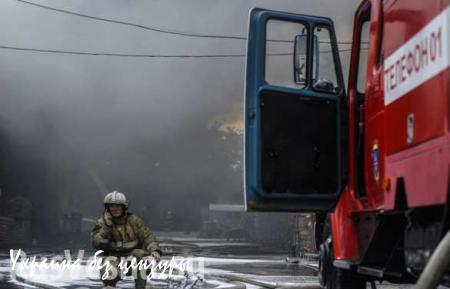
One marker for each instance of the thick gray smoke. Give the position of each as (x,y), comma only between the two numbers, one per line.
(74,126)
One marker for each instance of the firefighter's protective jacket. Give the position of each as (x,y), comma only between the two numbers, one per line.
(127,232)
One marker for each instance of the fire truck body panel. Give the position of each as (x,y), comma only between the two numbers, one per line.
(416,97)
(355,198)
(416,54)
(422,161)
(425,171)
(373,115)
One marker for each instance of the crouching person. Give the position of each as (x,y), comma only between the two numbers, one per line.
(122,234)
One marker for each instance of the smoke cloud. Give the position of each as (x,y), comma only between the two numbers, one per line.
(168,132)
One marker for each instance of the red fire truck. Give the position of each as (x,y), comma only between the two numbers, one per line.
(371,160)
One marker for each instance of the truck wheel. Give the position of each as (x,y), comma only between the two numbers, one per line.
(331,277)
(325,264)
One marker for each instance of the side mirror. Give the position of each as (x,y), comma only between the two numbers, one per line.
(300,50)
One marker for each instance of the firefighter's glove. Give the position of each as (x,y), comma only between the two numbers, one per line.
(108,219)
(156,256)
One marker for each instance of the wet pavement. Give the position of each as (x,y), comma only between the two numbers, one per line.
(217,264)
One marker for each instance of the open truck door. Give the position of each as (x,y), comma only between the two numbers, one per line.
(295,114)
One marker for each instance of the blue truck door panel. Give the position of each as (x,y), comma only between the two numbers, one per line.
(295,135)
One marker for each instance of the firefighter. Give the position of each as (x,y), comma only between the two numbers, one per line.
(120,233)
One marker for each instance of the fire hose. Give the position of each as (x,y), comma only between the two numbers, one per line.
(436,266)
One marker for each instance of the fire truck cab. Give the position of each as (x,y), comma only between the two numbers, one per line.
(371,160)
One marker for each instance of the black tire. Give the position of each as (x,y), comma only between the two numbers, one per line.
(331,277)
(325,265)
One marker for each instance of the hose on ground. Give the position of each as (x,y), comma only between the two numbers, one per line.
(436,266)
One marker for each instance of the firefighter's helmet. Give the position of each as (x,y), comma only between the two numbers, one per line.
(117,198)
